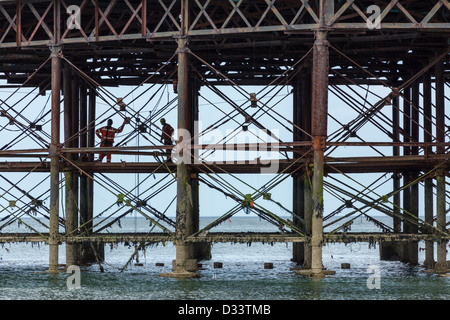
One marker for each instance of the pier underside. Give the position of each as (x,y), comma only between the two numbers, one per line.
(343,103)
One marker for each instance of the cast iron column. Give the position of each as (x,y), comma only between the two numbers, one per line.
(319,133)
(184,264)
(301,181)
(298,254)
(70,204)
(414,190)
(428,195)
(440,175)
(406,175)
(53,240)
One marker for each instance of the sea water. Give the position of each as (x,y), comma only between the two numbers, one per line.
(242,277)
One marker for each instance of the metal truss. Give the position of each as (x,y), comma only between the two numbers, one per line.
(231,43)
(36,23)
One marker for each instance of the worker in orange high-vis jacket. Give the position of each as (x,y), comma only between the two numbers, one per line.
(107,135)
(166,136)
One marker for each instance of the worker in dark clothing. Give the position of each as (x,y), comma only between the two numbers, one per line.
(166,136)
(107,135)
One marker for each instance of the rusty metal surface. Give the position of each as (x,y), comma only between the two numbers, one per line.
(261,42)
(344,165)
(213,237)
(285,25)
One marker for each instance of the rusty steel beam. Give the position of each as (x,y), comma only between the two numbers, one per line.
(148,28)
(212,237)
(283,146)
(161,22)
(332,165)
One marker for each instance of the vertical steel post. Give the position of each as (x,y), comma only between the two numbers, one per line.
(68,174)
(414,229)
(144,18)
(390,250)
(184,265)
(89,252)
(298,200)
(301,181)
(319,133)
(440,175)
(91,144)
(428,192)
(76,139)
(396,175)
(441,249)
(307,185)
(83,144)
(67,91)
(406,175)
(19,23)
(71,102)
(202,251)
(91,122)
(54,166)
(75,127)
(57,20)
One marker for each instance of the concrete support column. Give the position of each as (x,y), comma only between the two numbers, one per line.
(54,166)
(184,265)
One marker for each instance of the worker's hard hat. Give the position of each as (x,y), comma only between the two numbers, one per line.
(163,120)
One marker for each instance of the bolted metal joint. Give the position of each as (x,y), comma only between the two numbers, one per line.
(56,50)
(321,43)
(54,150)
(319,143)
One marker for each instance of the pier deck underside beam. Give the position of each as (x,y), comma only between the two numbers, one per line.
(153,20)
(213,237)
(335,165)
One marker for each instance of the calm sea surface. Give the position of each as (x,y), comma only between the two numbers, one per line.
(242,277)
